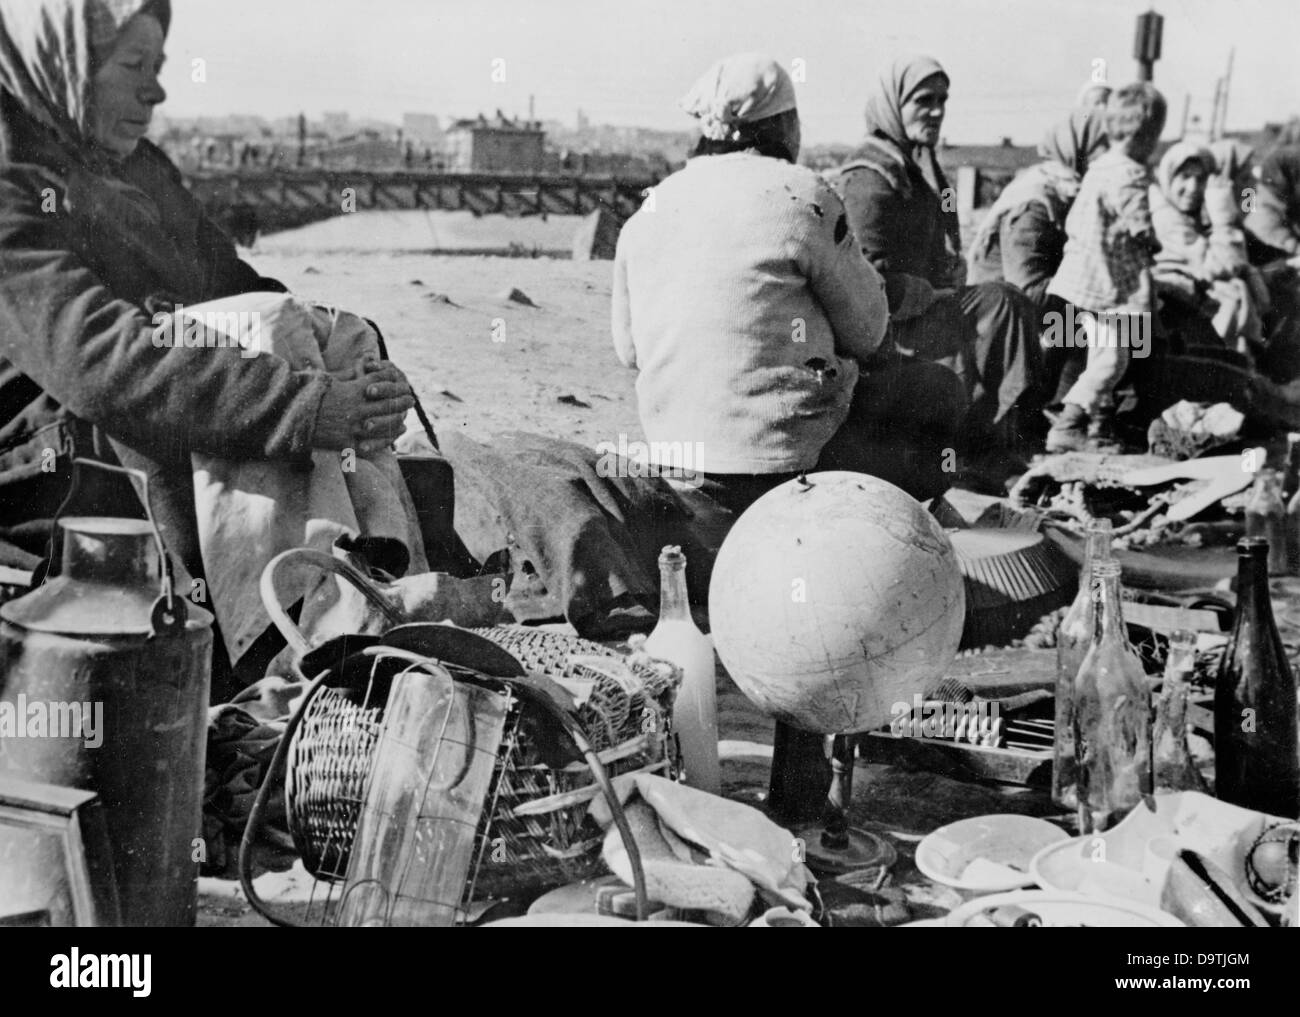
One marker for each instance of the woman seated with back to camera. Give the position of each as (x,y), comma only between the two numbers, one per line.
(757,325)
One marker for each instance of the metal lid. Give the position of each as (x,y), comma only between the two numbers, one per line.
(110,584)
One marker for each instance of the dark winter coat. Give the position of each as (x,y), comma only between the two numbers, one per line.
(89,254)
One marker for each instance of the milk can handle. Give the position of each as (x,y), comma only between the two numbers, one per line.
(169,612)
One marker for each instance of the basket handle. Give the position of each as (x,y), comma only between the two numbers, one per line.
(326,563)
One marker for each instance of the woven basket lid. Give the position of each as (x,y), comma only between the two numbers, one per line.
(1004,566)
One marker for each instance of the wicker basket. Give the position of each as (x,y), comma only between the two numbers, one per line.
(535,832)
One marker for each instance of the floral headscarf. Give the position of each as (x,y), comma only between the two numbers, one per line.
(49,50)
(737,90)
(1074,141)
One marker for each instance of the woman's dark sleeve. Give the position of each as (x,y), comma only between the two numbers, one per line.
(99,356)
(230,273)
(1032,248)
(225,273)
(875,210)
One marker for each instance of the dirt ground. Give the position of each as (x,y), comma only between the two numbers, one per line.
(478,360)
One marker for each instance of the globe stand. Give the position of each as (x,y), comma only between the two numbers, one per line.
(833,846)
(801,763)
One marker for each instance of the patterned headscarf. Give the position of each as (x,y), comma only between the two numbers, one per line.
(737,90)
(1054,183)
(1073,142)
(49,51)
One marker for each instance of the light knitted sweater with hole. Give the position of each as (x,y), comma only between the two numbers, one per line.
(737,272)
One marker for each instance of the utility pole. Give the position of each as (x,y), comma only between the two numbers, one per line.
(1214,110)
(1146,43)
(1187,108)
(1223,101)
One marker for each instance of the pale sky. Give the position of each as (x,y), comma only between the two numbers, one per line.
(1015,65)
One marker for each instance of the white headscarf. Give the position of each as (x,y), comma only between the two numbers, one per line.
(48,52)
(739,90)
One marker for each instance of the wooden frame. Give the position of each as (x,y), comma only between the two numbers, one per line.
(76,818)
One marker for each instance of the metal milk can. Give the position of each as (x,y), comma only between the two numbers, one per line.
(104,675)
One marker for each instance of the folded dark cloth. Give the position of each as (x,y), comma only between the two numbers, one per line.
(242,738)
(584,545)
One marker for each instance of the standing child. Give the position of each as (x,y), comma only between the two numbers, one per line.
(1106,269)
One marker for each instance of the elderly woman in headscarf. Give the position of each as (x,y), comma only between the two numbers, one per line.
(903,213)
(97,236)
(1200,270)
(1022,237)
(757,326)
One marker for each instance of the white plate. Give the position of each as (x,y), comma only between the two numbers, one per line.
(1065,910)
(986,854)
(1117,862)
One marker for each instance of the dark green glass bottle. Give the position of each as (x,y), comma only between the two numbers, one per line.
(1257,763)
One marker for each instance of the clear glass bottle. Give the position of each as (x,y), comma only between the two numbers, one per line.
(1112,714)
(1073,637)
(677,639)
(1171,759)
(1255,762)
(1266,518)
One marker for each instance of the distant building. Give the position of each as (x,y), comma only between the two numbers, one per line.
(500,145)
(422,129)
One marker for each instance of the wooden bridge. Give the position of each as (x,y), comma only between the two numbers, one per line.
(267,200)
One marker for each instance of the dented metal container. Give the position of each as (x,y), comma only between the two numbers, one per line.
(104,677)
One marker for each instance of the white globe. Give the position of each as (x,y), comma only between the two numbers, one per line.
(834,599)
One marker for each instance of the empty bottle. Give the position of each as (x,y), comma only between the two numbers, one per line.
(1112,714)
(1073,638)
(1256,764)
(1266,518)
(676,639)
(1175,770)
